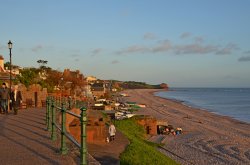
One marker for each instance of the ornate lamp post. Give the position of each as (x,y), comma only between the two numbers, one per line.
(10,47)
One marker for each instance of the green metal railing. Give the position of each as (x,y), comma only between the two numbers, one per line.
(64,105)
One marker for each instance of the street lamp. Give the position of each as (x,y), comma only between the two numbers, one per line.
(61,85)
(10,47)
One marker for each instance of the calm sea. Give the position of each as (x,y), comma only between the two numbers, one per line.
(233,102)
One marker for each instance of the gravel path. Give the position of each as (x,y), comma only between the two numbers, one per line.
(24,140)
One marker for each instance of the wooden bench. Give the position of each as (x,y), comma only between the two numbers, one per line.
(43,103)
(29,103)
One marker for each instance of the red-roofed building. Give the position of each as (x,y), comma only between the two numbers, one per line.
(1,64)
(5,74)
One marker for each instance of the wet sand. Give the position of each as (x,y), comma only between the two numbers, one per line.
(207,138)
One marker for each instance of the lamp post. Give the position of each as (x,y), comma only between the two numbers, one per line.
(61,90)
(61,87)
(10,47)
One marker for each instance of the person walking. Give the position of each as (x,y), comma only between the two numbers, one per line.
(16,99)
(112,131)
(4,95)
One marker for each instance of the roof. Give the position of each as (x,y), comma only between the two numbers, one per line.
(6,76)
(97,85)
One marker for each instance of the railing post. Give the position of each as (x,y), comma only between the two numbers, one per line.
(57,102)
(64,148)
(78,104)
(83,149)
(49,114)
(47,106)
(60,100)
(70,103)
(53,116)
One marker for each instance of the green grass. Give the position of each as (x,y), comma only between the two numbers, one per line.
(139,151)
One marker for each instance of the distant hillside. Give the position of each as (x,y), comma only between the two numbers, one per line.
(141,85)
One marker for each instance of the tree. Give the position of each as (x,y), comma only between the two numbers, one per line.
(74,81)
(28,76)
(53,79)
(7,65)
(42,62)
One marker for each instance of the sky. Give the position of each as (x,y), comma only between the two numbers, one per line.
(194,43)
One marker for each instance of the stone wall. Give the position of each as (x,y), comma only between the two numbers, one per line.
(35,93)
(96,128)
(149,123)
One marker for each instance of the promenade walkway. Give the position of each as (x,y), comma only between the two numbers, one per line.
(108,153)
(25,141)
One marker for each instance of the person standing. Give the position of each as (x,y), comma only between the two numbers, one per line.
(112,131)
(16,99)
(4,95)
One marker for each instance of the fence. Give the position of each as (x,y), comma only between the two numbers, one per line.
(63,106)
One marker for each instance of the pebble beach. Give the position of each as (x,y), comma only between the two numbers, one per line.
(207,138)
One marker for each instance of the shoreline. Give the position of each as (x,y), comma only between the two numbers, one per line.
(207,138)
(198,108)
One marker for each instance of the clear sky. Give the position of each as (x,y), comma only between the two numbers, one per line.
(185,43)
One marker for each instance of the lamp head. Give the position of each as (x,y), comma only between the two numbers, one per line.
(10,44)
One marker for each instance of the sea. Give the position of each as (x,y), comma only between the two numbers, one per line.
(232,102)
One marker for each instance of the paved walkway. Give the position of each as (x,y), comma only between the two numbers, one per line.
(108,154)
(24,140)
